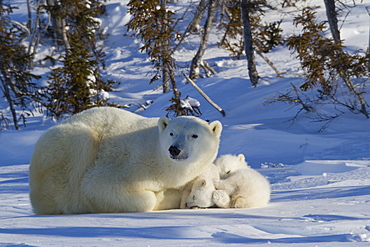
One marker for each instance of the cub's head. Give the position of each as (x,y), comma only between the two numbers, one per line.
(189,139)
(201,194)
(228,164)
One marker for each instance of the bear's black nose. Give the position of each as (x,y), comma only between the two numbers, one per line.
(174,151)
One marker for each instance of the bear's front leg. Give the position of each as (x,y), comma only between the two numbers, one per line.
(184,195)
(108,189)
(221,199)
(113,201)
(168,199)
(142,201)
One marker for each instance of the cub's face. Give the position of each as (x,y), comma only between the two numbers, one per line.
(188,138)
(201,194)
(228,164)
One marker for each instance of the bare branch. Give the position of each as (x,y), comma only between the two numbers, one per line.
(205,96)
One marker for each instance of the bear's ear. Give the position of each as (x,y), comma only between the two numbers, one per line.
(216,128)
(162,124)
(241,157)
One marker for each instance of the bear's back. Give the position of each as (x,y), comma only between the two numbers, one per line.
(109,121)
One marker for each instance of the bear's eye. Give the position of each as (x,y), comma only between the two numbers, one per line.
(195,136)
(171,134)
(228,172)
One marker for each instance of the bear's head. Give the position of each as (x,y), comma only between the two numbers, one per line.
(228,164)
(189,139)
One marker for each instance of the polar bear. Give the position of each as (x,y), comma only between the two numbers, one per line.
(198,193)
(240,186)
(106,160)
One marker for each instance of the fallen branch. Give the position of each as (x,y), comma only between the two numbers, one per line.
(268,61)
(205,95)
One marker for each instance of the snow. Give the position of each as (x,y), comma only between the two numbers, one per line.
(320,180)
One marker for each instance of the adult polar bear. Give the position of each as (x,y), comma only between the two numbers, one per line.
(110,160)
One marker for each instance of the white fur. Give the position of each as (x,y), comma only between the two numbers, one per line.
(198,193)
(228,164)
(240,186)
(111,160)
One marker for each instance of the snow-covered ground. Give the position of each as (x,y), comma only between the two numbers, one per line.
(320,181)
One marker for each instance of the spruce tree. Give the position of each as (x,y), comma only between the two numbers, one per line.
(327,65)
(17,82)
(74,84)
(153,23)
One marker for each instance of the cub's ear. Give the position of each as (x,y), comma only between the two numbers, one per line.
(216,128)
(162,124)
(241,157)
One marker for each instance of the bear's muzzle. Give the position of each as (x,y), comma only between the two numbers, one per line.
(176,153)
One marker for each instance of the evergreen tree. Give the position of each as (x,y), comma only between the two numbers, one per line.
(327,65)
(153,23)
(74,86)
(17,81)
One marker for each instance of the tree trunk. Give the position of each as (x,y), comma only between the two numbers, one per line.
(55,20)
(226,13)
(165,80)
(6,81)
(171,74)
(165,68)
(67,46)
(29,21)
(248,42)
(347,80)
(195,64)
(35,36)
(59,24)
(331,14)
(195,23)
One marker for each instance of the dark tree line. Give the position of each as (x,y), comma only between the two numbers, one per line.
(75,85)
(326,63)
(327,66)
(17,81)
(74,82)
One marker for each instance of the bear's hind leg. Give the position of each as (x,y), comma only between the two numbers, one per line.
(241,202)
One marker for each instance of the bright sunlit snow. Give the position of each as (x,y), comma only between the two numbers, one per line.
(320,180)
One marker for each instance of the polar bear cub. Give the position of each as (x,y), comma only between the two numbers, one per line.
(198,193)
(240,186)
